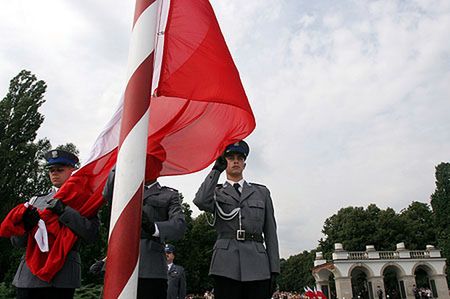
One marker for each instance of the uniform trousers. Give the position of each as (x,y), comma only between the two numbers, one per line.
(45,293)
(226,288)
(152,288)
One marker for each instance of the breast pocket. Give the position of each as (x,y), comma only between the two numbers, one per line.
(256,209)
(226,204)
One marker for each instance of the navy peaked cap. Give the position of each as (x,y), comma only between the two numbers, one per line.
(60,157)
(240,147)
(169,248)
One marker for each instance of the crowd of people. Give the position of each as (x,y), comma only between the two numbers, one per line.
(288,295)
(422,293)
(276,295)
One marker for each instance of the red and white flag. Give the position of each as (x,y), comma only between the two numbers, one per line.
(198,107)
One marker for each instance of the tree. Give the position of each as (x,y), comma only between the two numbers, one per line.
(418,216)
(296,272)
(440,201)
(19,153)
(357,227)
(194,252)
(352,226)
(20,165)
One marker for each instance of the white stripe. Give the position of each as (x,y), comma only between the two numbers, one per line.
(142,42)
(108,138)
(130,167)
(159,47)
(130,289)
(141,45)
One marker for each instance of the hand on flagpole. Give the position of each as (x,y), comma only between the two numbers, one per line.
(56,206)
(147,225)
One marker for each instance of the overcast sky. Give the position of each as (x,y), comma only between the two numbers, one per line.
(351,98)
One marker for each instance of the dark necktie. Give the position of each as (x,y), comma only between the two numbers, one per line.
(236,187)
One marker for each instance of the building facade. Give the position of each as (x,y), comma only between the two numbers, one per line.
(362,274)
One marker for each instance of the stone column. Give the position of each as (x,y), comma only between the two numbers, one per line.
(322,284)
(441,286)
(343,287)
(376,281)
(408,281)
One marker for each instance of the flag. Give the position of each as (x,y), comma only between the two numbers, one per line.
(198,107)
(320,294)
(309,293)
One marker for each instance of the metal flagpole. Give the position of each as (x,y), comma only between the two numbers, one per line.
(125,226)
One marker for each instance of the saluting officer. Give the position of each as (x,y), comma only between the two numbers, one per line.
(176,277)
(242,267)
(60,165)
(162,219)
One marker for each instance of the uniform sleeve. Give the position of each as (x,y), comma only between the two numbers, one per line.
(19,241)
(174,228)
(182,289)
(109,186)
(204,198)
(86,228)
(270,235)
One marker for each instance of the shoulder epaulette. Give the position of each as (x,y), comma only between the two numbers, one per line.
(44,194)
(259,185)
(169,188)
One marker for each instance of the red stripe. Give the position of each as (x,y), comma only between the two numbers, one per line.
(141,5)
(122,256)
(137,96)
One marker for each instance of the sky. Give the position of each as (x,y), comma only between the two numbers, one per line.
(351,98)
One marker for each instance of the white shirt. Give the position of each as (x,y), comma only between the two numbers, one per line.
(156,233)
(241,184)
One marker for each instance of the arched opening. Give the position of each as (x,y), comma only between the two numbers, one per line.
(360,287)
(426,286)
(422,280)
(325,278)
(391,284)
(330,289)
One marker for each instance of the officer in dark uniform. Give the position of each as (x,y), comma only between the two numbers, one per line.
(60,165)
(162,219)
(242,267)
(176,277)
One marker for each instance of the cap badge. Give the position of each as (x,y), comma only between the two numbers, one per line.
(54,154)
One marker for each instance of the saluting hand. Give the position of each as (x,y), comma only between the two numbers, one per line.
(221,164)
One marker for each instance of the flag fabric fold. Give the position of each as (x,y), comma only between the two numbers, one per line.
(198,108)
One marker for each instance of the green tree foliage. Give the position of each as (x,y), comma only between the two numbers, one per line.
(357,227)
(418,216)
(296,272)
(194,252)
(19,152)
(440,201)
(21,170)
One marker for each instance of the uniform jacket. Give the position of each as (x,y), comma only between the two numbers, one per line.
(176,282)
(241,260)
(163,207)
(70,274)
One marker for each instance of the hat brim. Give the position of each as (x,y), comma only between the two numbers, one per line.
(60,161)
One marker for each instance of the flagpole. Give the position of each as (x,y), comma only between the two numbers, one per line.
(125,227)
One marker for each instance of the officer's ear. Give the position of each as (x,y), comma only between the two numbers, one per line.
(245,164)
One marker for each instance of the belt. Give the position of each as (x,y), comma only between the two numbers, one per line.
(241,235)
(144,235)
